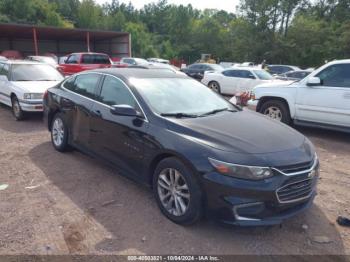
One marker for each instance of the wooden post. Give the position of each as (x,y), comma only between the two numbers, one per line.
(88,41)
(35,42)
(129,50)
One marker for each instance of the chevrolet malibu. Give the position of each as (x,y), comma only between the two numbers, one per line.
(200,154)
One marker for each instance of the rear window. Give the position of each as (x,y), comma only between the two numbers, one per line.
(95,59)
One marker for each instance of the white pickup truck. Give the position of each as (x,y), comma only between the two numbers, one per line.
(322,99)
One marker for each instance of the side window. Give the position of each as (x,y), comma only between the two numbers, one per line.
(285,69)
(114,92)
(84,85)
(4,69)
(69,83)
(247,74)
(1,67)
(195,67)
(101,59)
(87,59)
(336,76)
(129,61)
(73,59)
(231,73)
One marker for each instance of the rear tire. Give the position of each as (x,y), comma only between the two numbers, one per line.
(277,110)
(215,86)
(177,192)
(17,111)
(59,133)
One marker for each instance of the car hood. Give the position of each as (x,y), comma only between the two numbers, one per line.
(239,132)
(35,86)
(276,83)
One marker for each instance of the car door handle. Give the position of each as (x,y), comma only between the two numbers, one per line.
(347,95)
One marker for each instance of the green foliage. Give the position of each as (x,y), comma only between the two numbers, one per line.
(300,32)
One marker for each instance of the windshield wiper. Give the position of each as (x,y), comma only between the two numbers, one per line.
(213,112)
(179,115)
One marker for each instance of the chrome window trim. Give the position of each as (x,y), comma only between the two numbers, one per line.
(104,74)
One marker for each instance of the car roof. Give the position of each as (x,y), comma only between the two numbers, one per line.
(128,73)
(87,53)
(21,62)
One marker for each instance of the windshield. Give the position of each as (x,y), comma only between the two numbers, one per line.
(180,96)
(263,75)
(217,67)
(48,60)
(141,61)
(28,72)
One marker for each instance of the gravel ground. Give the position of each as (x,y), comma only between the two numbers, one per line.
(72,204)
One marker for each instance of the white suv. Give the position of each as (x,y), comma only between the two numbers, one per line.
(322,99)
(23,83)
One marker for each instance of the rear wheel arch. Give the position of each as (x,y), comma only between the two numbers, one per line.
(218,85)
(50,118)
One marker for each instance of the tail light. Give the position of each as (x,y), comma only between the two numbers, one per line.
(46,95)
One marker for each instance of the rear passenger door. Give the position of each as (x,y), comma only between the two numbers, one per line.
(93,61)
(77,106)
(118,139)
(229,82)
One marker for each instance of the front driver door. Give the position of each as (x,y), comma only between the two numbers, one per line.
(118,139)
(328,103)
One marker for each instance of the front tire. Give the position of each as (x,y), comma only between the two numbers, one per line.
(177,192)
(17,111)
(59,133)
(215,86)
(277,110)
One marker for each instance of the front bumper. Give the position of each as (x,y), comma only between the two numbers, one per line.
(253,104)
(32,105)
(257,203)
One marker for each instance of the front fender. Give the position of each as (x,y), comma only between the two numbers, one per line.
(288,94)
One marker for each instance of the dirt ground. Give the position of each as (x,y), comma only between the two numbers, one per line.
(72,204)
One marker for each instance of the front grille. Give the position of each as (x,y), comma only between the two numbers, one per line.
(295,192)
(296,168)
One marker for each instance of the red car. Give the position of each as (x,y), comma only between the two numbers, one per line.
(78,62)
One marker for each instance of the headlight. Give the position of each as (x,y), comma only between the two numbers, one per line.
(242,172)
(29,96)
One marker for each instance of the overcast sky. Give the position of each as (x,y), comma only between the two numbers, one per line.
(227,5)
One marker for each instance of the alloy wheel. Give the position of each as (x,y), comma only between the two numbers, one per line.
(58,132)
(215,87)
(274,113)
(173,192)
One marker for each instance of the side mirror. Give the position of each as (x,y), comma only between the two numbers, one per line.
(251,77)
(125,110)
(3,78)
(314,81)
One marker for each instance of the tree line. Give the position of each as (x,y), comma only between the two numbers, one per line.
(298,32)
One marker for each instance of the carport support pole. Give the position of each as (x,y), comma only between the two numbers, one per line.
(35,42)
(88,41)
